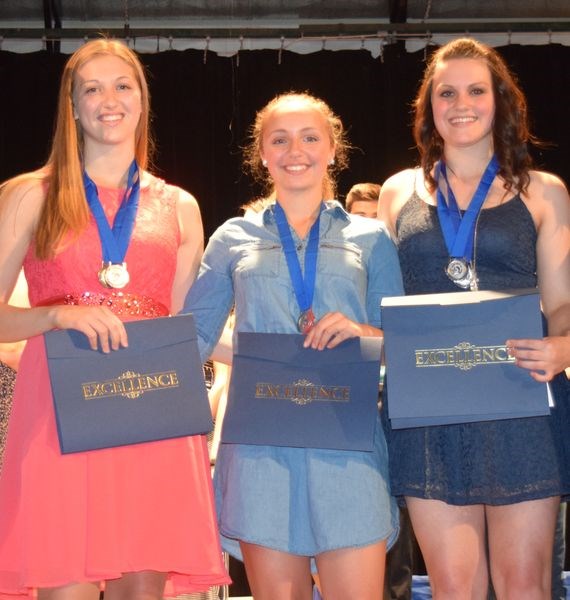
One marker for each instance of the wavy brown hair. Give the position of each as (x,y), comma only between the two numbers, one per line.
(511,132)
(65,208)
(337,133)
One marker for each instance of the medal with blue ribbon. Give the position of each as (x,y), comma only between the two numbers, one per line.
(303,286)
(115,240)
(459,230)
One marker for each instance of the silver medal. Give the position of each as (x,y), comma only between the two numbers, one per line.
(114,275)
(461,273)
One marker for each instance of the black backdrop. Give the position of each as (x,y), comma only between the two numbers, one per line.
(204,104)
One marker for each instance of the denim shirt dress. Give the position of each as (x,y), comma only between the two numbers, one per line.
(298,500)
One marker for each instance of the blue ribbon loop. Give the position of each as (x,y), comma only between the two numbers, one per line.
(115,240)
(458,231)
(304,287)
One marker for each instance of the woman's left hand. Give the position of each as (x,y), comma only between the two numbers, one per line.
(333,328)
(544,358)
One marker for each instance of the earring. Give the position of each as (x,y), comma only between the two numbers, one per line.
(331,162)
(264,162)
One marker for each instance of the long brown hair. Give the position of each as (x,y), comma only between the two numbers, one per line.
(65,208)
(511,131)
(337,133)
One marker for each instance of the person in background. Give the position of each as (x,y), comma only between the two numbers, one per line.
(279,507)
(10,353)
(501,478)
(139,519)
(362,199)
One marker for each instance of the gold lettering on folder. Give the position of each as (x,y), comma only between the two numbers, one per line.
(302,392)
(130,385)
(464,356)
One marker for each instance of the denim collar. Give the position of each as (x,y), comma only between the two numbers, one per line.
(333,210)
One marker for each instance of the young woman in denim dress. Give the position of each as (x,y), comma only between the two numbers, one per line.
(280,507)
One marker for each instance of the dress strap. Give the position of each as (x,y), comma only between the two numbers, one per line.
(416,171)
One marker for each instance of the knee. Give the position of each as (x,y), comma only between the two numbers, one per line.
(523,580)
(450,588)
(145,585)
(458,583)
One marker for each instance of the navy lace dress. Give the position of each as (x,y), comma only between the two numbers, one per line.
(499,462)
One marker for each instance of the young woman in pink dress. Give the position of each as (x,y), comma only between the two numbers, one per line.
(138,519)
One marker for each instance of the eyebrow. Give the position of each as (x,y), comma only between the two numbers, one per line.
(93,80)
(304,130)
(482,82)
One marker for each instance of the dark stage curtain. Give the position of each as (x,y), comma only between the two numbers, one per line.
(204,104)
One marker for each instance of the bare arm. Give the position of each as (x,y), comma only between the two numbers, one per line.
(549,204)
(20,209)
(190,250)
(223,351)
(395,191)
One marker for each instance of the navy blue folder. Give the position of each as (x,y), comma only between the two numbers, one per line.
(152,390)
(446,361)
(282,394)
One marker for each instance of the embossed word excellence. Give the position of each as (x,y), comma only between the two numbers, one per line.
(302,392)
(464,356)
(130,385)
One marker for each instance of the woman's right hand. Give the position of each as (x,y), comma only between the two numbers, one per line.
(101,326)
(543,358)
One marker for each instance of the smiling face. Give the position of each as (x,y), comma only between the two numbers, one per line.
(296,143)
(463,102)
(107,102)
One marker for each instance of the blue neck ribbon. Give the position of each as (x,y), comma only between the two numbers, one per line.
(115,240)
(458,230)
(304,287)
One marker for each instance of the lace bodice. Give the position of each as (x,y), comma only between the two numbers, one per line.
(151,256)
(505,245)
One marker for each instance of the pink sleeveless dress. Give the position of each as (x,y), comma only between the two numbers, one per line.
(93,516)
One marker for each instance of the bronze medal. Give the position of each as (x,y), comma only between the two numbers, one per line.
(306,321)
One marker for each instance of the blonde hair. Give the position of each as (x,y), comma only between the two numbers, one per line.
(252,151)
(65,208)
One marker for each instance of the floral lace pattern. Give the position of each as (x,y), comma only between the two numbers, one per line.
(151,256)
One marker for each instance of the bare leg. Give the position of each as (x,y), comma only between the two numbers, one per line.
(144,585)
(274,575)
(521,538)
(72,591)
(452,540)
(353,572)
